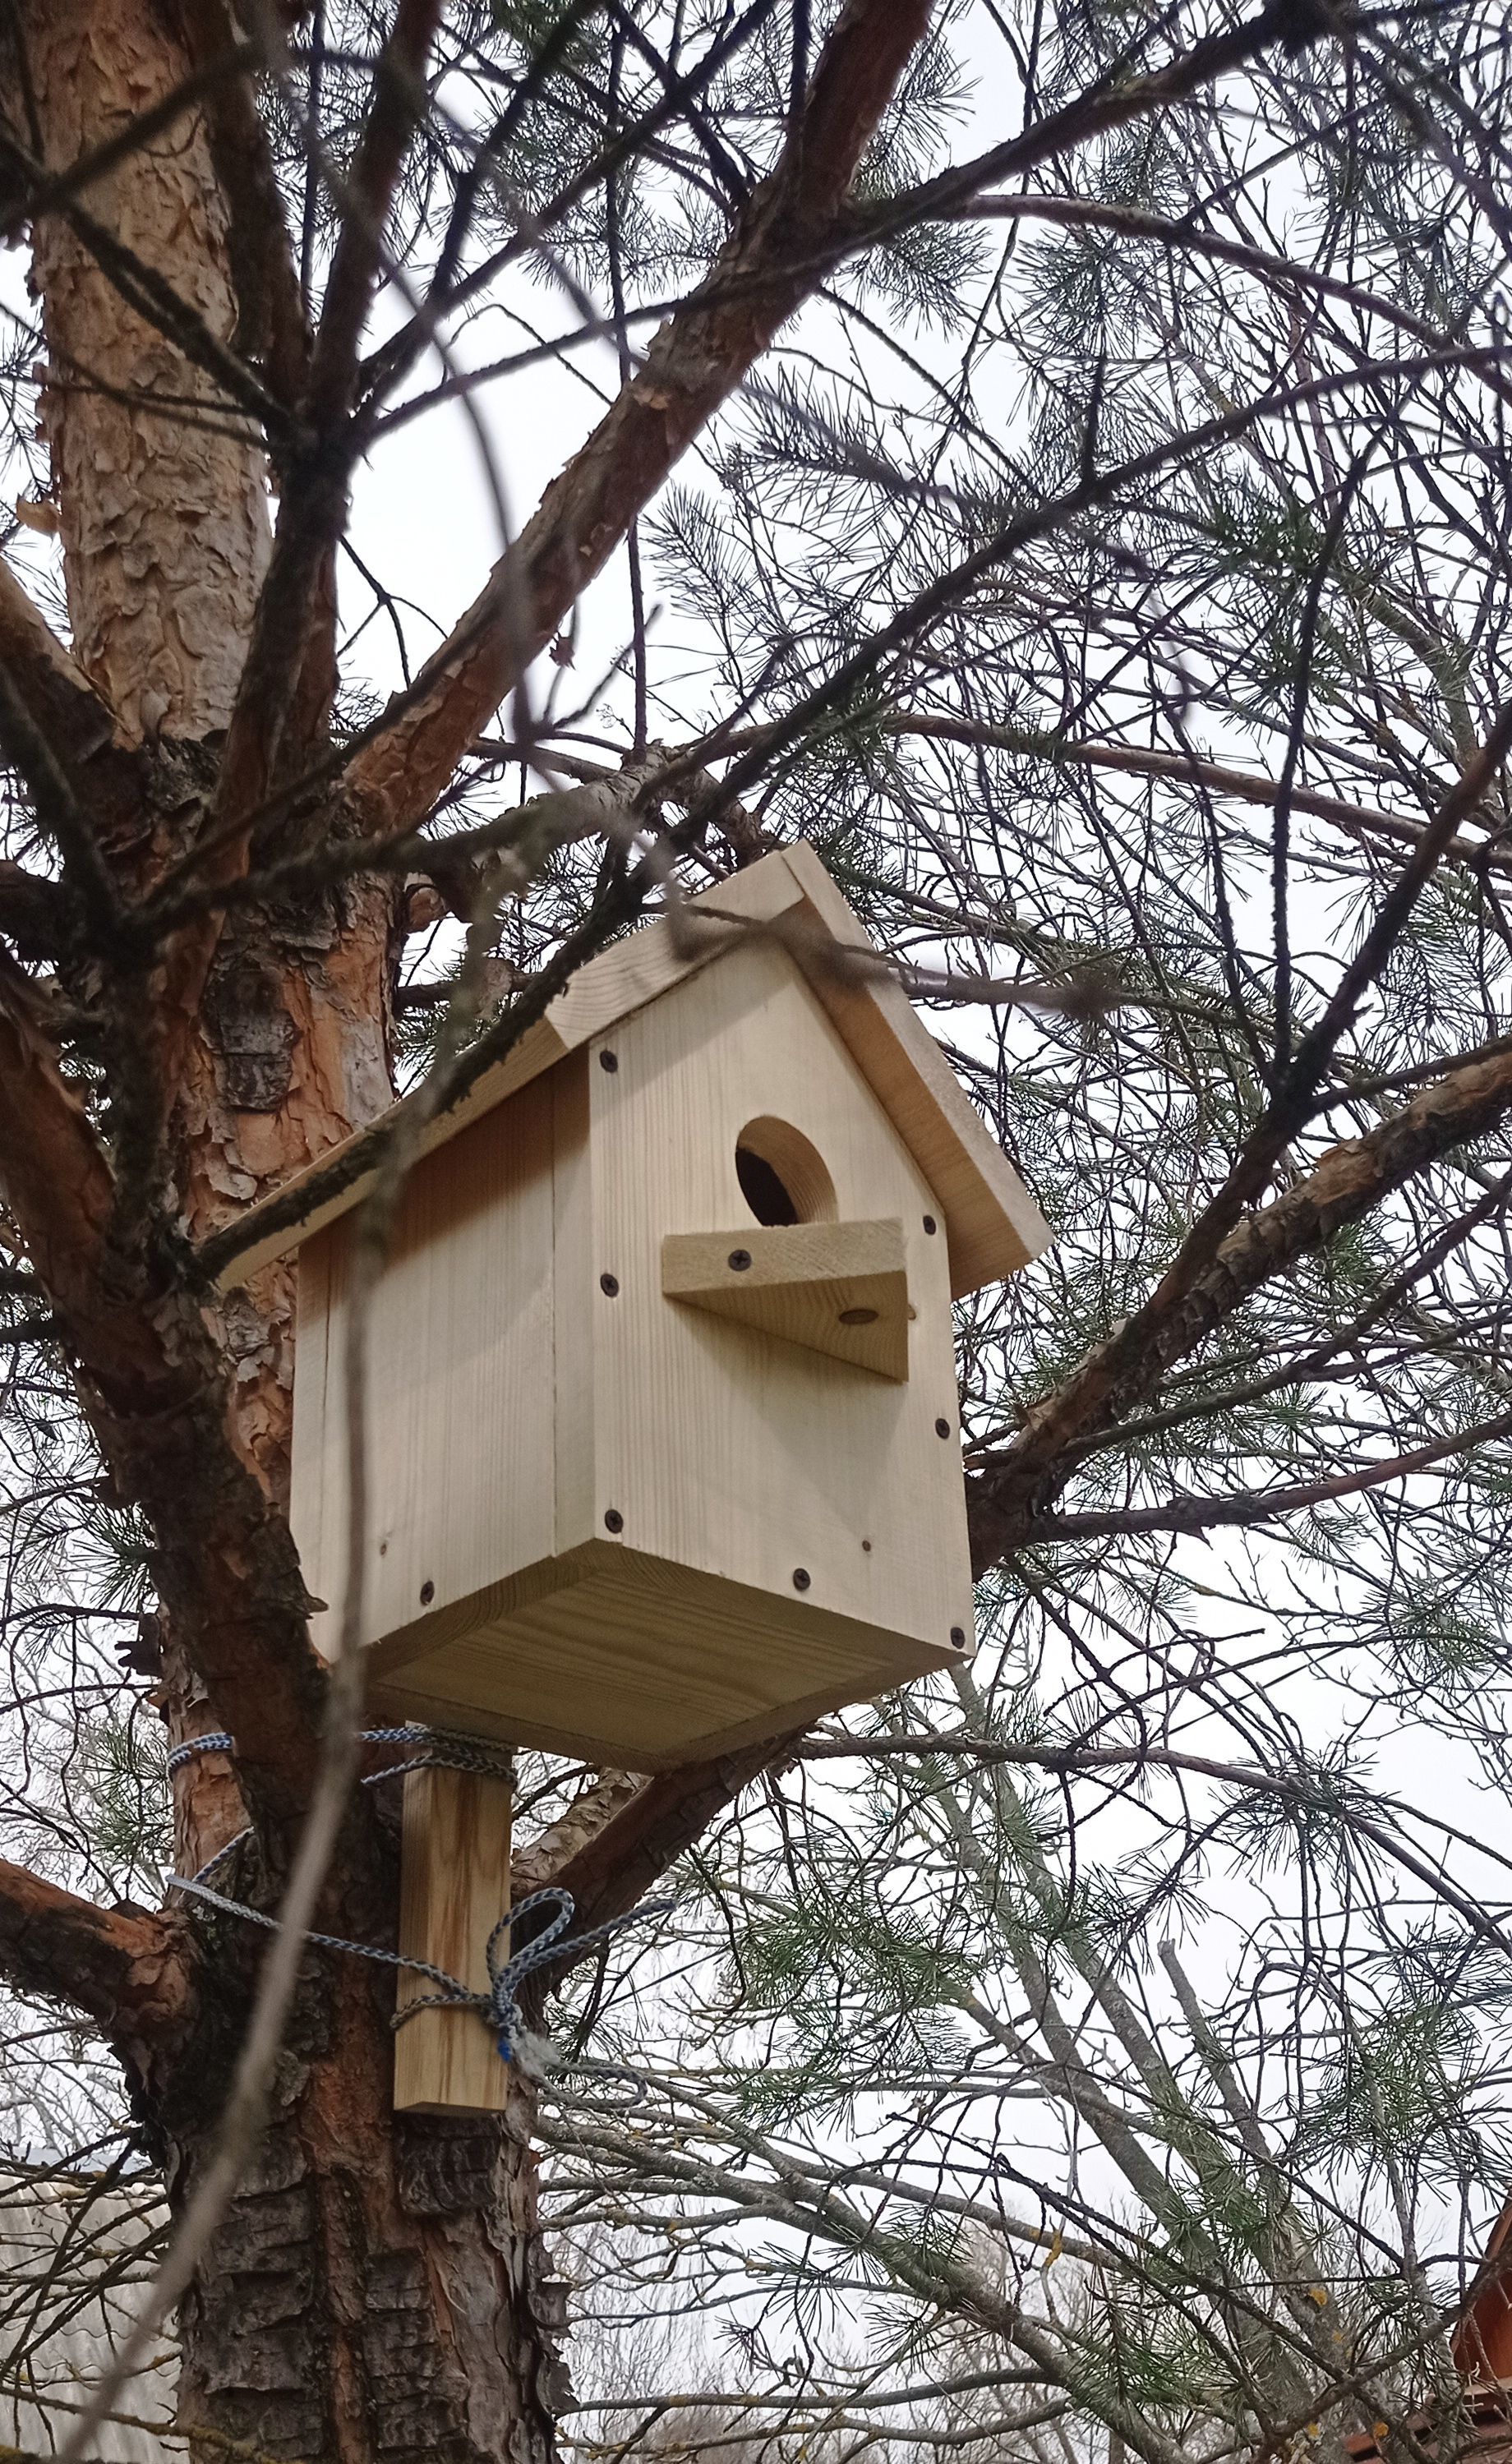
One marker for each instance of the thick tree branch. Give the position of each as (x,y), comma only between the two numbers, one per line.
(787,238)
(128,1972)
(270,327)
(775,254)
(1005,1505)
(635,1844)
(154,1381)
(1191,1513)
(67,713)
(35,914)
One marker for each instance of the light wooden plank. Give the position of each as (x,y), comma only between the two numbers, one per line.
(454,1889)
(580,1303)
(316,1410)
(538,1050)
(623,1658)
(460,1375)
(761,1461)
(993,1225)
(839,1288)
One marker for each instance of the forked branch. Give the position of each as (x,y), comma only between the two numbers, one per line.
(777,251)
(1006,1501)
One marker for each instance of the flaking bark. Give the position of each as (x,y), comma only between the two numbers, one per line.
(163,514)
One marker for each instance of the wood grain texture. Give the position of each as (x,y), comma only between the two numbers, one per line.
(993,1226)
(991,1223)
(621,1657)
(460,1379)
(839,1288)
(454,1889)
(722,1450)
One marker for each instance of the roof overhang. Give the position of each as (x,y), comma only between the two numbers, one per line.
(992,1224)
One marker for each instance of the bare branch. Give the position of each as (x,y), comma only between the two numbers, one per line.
(775,254)
(1006,1502)
(130,1974)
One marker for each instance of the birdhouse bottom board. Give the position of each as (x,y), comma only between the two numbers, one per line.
(608,1518)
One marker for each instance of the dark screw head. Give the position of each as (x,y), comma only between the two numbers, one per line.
(613,1520)
(608,1061)
(958,1637)
(930,1225)
(739,1261)
(608,1284)
(801,1578)
(867,1546)
(859,1317)
(427,1594)
(941,1428)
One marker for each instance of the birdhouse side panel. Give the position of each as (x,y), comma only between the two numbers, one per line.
(460,1375)
(724,1448)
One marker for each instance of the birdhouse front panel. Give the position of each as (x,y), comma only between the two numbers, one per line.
(738,1444)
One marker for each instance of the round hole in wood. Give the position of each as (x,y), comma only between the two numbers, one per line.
(859,1317)
(941,1428)
(427,1594)
(958,1637)
(609,1285)
(930,1225)
(783,1176)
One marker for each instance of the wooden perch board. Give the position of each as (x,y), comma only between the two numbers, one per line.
(839,1288)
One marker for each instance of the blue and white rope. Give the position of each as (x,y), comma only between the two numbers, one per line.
(499,2006)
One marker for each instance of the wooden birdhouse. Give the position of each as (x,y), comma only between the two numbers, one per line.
(664,1454)
(664,1449)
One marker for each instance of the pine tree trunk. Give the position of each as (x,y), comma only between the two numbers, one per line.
(379,2289)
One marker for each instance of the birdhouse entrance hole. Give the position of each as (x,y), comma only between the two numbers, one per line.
(783,1176)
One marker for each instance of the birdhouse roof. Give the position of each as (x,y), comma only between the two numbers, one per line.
(991,1223)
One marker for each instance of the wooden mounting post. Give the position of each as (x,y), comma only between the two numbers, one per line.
(454,1889)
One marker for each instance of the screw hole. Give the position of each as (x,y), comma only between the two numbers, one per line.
(608,1284)
(427,1594)
(867,1546)
(608,1061)
(739,1261)
(958,1637)
(613,1520)
(859,1317)
(930,1225)
(801,1578)
(941,1428)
